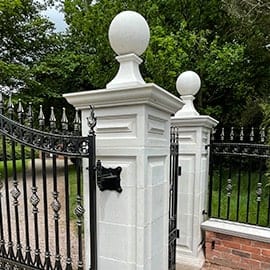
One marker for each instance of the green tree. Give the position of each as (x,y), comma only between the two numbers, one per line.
(25,38)
(265,105)
(251,27)
(208,37)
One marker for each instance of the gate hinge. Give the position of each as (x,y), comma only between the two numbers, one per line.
(177,233)
(179,171)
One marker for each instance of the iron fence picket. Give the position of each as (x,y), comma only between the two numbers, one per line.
(238,189)
(47,262)
(259,193)
(68,240)
(174,172)
(92,202)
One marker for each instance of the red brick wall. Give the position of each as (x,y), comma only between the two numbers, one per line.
(236,252)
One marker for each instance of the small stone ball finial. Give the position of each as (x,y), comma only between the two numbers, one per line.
(129,33)
(188,83)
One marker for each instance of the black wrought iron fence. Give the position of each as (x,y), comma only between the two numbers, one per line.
(239,184)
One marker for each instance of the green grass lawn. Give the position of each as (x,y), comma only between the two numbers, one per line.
(242,205)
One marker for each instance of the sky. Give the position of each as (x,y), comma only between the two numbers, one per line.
(56,17)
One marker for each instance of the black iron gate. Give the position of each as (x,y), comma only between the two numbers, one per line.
(41,191)
(174,173)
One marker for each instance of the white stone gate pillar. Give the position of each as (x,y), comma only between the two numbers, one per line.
(194,136)
(133,131)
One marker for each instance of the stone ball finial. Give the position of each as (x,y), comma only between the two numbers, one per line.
(129,33)
(188,83)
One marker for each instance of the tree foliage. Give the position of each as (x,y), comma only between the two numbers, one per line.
(204,36)
(223,41)
(25,39)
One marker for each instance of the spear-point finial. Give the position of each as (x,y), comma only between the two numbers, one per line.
(52,119)
(64,120)
(20,111)
(262,135)
(77,122)
(30,115)
(41,118)
(10,107)
(222,134)
(242,134)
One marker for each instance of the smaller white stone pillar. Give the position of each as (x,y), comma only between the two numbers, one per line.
(194,136)
(133,131)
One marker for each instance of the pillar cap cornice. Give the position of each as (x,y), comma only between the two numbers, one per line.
(148,94)
(194,121)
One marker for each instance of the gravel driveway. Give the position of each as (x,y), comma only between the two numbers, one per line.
(41,220)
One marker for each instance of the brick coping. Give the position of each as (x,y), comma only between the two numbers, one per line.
(247,231)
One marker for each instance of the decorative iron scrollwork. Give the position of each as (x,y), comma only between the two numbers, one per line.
(79,211)
(8,266)
(34,199)
(56,206)
(241,149)
(59,144)
(108,178)
(15,192)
